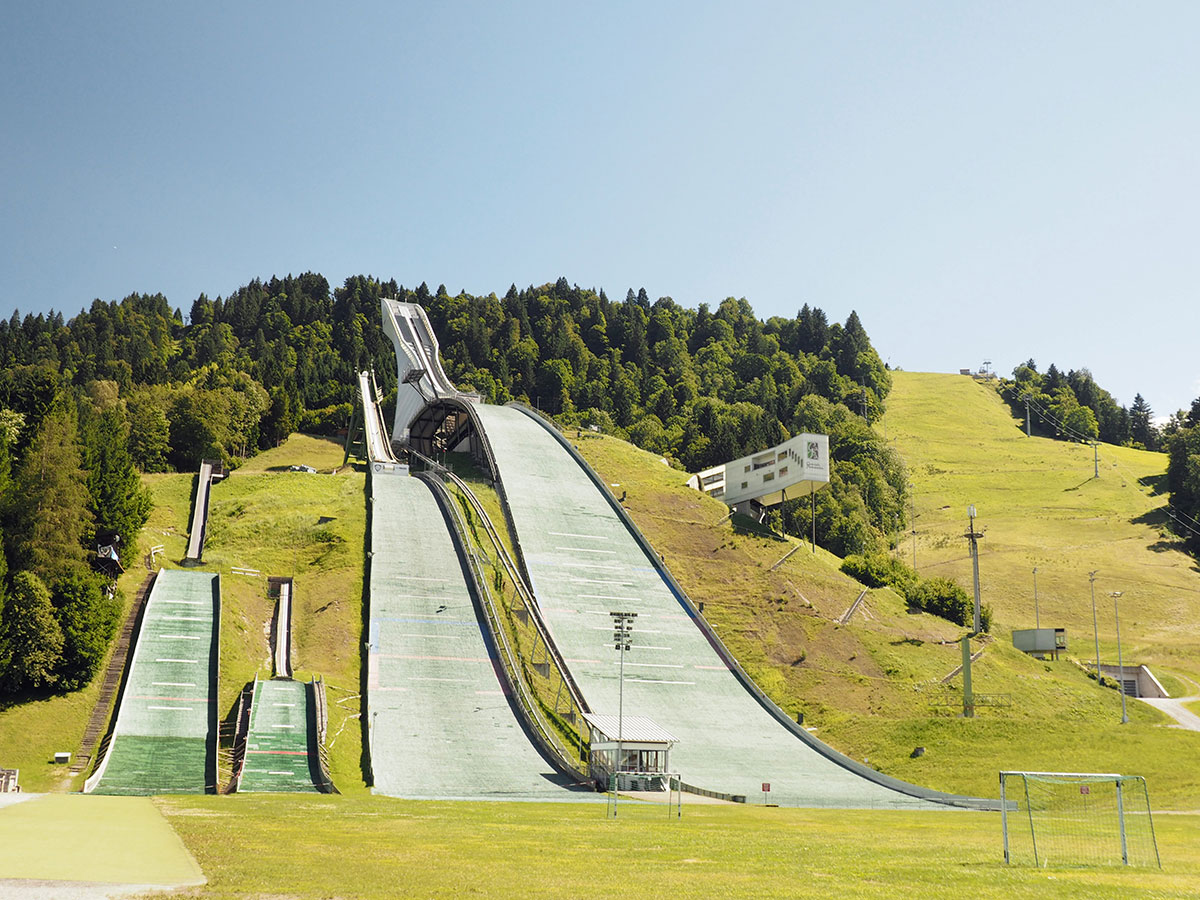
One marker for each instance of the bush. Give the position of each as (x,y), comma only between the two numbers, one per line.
(946,598)
(880,569)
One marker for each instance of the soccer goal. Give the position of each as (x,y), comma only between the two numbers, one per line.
(1076,819)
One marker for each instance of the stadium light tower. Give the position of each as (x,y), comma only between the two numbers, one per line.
(622,641)
(1116,595)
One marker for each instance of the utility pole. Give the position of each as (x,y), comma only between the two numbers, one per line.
(1095,626)
(1028,426)
(968,694)
(973,536)
(1037,621)
(1096,457)
(1116,595)
(912,512)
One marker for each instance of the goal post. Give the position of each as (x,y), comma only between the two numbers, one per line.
(1076,819)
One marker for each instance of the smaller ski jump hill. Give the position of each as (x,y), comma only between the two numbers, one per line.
(164,740)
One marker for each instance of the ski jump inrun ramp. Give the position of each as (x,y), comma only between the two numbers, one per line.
(584,557)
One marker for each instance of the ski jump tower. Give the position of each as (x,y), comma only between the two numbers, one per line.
(421,378)
(422,384)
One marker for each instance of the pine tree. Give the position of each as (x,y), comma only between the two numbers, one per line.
(118,501)
(47,507)
(32,636)
(1141,424)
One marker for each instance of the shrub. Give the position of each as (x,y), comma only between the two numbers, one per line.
(943,597)
(879,569)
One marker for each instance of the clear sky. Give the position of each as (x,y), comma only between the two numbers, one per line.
(979,180)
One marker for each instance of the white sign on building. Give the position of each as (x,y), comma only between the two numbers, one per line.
(796,468)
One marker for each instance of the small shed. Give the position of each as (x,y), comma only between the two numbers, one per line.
(1040,642)
(634,748)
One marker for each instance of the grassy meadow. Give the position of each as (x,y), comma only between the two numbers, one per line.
(374,847)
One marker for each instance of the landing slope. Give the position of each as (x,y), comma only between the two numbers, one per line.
(583,562)
(440,723)
(280,746)
(164,741)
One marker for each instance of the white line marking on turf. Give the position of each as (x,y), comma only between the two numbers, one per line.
(418,578)
(184,619)
(651,665)
(587,550)
(173,683)
(185,602)
(192,661)
(283,704)
(184,708)
(606,597)
(283,726)
(639,631)
(590,537)
(656,681)
(443,637)
(450,680)
(180,637)
(601,581)
(579,565)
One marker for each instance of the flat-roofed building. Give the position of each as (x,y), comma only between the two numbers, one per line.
(796,468)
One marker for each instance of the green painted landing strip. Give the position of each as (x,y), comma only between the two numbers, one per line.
(280,743)
(165,735)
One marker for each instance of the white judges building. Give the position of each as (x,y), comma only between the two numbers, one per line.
(799,467)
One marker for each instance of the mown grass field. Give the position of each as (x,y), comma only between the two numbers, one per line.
(373,847)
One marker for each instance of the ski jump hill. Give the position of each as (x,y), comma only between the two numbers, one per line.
(439,725)
(164,740)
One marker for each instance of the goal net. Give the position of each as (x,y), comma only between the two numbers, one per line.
(1076,819)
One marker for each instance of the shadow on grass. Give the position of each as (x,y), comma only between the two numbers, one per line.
(1156,483)
(28,695)
(744,525)
(1078,486)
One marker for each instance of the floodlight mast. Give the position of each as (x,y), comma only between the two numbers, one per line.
(1095,624)
(622,637)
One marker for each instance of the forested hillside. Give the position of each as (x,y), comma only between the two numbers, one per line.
(135,385)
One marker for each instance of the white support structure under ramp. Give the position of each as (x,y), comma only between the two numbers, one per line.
(420,377)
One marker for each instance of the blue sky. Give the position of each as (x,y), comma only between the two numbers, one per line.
(978,180)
